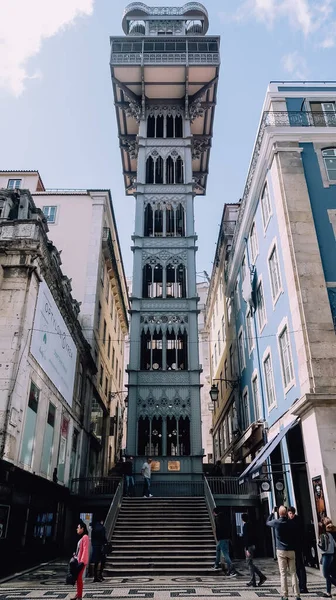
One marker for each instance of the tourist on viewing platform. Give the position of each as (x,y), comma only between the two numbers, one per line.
(146,473)
(249,540)
(285,543)
(82,555)
(299,560)
(223,535)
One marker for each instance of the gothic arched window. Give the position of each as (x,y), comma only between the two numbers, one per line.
(151,351)
(158,170)
(151,126)
(170,168)
(178,126)
(143,436)
(179,175)
(176,281)
(176,351)
(148,221)
(152,281)
(150,170)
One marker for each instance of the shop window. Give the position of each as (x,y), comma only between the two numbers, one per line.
(48,439)
(28,441)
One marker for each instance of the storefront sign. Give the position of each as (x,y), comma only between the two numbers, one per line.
(319,498)
(174,465)
(4,517)
(155,465)
(52,345)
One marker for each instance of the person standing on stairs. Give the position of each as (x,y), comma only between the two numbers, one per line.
(146,473)
(249,541)
(223,541)
(98,541)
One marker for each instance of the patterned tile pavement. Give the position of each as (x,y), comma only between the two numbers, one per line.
(47,582)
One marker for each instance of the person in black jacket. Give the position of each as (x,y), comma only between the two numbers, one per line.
(98,540)
(223,541)
(299,539)
(249,541)
(285,543)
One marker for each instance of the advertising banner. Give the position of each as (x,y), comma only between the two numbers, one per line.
(52,345)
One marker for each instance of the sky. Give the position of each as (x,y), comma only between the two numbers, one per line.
(56,102)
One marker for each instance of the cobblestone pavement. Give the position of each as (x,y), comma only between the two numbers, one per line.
(48,582)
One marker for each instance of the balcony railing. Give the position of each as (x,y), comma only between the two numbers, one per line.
(229,486)
(94,486)
(154,58)
(277,119)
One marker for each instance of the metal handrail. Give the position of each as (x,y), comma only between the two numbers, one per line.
(229,486)
(93,486)
(210,502)
(113,511)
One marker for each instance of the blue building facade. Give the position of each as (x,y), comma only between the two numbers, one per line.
(282,277)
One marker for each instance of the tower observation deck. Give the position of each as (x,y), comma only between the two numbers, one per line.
(164,76)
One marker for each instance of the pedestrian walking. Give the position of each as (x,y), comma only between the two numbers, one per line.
(327,546)
(285,544)
(146,473)
(217,470)
(223,542)
(249,541)
(98,541)
(129,478)
(299,545)
(82,555)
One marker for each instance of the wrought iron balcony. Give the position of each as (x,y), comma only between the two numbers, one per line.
(154,58)
(278,119)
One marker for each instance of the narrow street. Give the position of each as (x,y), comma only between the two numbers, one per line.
(48,582)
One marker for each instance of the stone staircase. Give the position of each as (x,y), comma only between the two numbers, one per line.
(162,536)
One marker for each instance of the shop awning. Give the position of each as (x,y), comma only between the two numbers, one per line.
(254,467)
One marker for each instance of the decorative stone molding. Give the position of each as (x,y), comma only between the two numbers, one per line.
(196,109)
(166,378)
(164,257)
(168,189)
(159,242)
(200,145)
(155,323)
(154,110)
(164,304)
(131,146)
(164,152)
(158,403)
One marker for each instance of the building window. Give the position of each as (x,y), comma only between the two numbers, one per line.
(269,380)
(249,332)
(266,210)
(152,281)
(329,158)
(98,316)
(226,375)
(219,342)
(106,386)
(223,329)
(243,267)
(237,298)
(232,369)
(111,307)
(323,114)
(241,352)
(256,399)
(109,346)
(101,376)
(161,126)
(117,368)
(28,442)
(215,354)
(50,213)
(168,171)
(175,281)
(104,333)
(274,274)
(113,357)
(254,243)
(107,293)
(286,358)
(102,271)
(261,307)
(119,378)
(167,221)
(245,409)
(14,184)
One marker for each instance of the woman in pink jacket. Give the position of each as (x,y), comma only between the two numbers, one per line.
(82,555)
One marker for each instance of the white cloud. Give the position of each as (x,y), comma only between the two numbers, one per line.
(24,24)
(307,16)
(295,65)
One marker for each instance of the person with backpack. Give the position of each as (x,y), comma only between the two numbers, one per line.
(327,546)
(249,541)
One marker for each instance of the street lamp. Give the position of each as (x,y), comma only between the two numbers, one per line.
(214,391)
